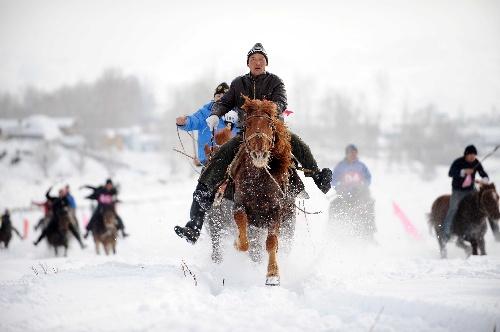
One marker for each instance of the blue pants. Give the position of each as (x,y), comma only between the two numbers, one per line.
(456,198)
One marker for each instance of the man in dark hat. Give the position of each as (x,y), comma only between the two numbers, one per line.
(257,84)
(197,121)
(463,172)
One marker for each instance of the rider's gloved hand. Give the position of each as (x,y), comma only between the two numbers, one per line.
(231,117)
(212,121)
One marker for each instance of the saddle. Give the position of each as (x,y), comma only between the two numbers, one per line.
(226,188)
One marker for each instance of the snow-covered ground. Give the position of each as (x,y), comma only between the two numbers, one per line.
(400,284)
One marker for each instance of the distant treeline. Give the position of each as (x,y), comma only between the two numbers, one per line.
(112,101)
(425,135)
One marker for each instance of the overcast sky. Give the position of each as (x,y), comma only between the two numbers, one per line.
(387,52)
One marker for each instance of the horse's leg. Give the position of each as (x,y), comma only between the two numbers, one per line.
(474,246)
(255,249)
(482,247)
(66,250)
(241,219)
(442,244)
(106,247)
(214,223)
(96,246)
(55,251)
(460,243)
(273,278)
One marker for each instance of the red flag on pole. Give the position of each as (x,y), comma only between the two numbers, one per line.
(26,227)
(407,224)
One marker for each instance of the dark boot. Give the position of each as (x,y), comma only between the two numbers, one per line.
(202,201)
(121,226)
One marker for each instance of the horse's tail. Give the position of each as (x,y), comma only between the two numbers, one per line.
(430,223)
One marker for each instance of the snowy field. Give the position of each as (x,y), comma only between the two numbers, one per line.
(400,284)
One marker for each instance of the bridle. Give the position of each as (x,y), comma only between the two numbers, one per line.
(258,134)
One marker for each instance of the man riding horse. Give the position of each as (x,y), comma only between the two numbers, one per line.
(258,84)
(60,206)
(462,171)
(353,208)
(106,197)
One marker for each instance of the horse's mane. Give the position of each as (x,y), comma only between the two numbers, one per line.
(282,150)
(221,137)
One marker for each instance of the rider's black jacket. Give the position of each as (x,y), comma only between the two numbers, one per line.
(263,87)
(57,203)
(101,190)
(458,179)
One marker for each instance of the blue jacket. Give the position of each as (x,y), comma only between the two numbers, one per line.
(347,175)
(196,121)
(71,201)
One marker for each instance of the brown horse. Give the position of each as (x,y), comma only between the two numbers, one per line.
(57,236)
(260,175)
(220,137)
(470,221)
(105,233)
(352,214)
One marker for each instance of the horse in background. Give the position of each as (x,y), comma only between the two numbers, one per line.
(352,214)
(260,176)
(57,236)
(6,229)
(470,221)
(105,231)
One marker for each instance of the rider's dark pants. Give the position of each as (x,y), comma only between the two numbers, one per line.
(456,197)
(215,170)
(97,215)
(52,227)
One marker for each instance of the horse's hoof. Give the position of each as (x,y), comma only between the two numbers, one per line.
(241,246)
(273,281)
(444,254)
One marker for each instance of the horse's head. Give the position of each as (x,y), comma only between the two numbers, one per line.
(63,218)
(109,217)
(259,127)
(489,200)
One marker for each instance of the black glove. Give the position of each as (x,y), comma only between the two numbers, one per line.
(323,179)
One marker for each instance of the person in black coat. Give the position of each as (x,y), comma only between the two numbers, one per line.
(463,172)
(6,229)
(105,196)
(258,84)
(59,205)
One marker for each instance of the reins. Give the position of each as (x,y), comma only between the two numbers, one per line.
(183,152)
(272,140)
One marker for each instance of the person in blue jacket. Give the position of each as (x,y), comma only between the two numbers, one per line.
(197,121)
(71,205)
(350,173)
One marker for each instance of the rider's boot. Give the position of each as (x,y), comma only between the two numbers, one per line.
(202,201)
(121,226)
